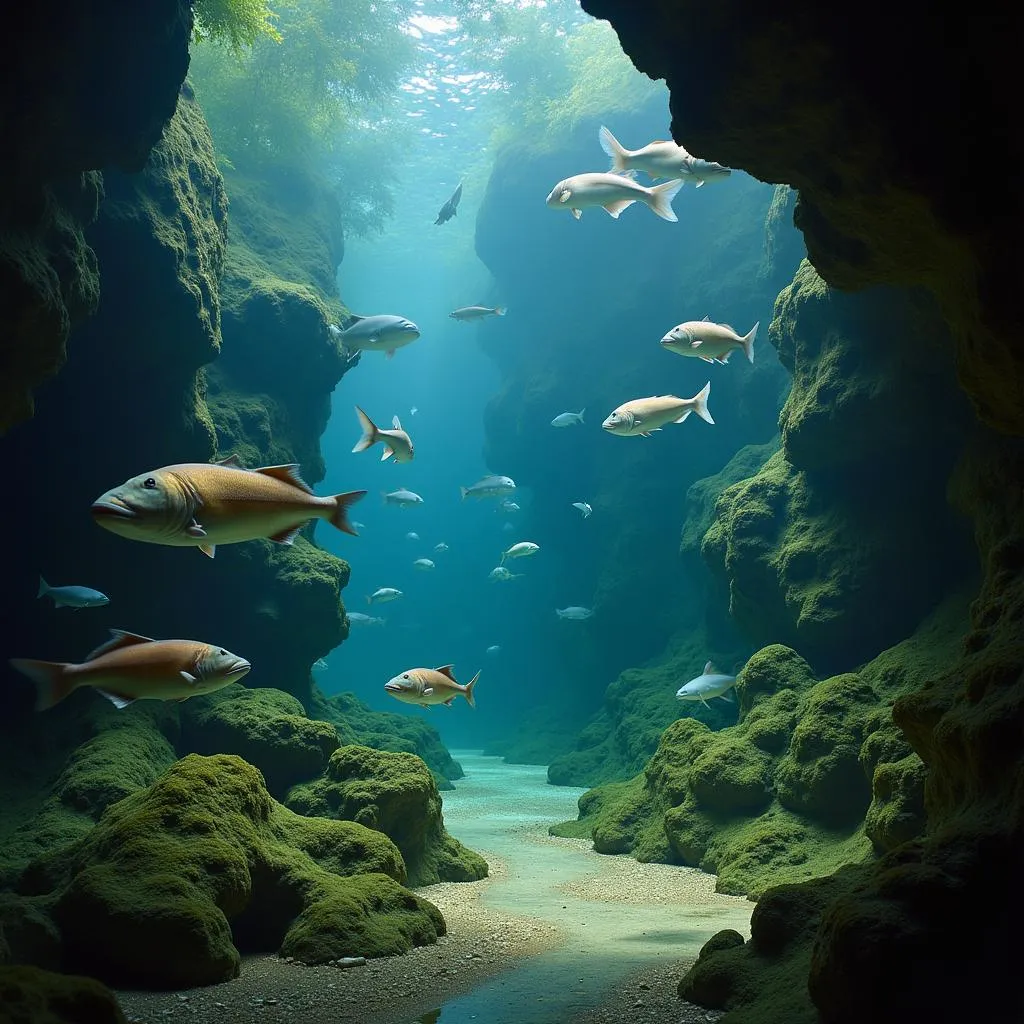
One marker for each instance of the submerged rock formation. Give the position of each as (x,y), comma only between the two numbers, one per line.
(790,98)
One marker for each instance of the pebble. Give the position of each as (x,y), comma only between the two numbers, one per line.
(351,961)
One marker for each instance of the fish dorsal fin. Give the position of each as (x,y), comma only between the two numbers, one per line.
(232,460)
(728,327)
(710,670)
(396,423)
(287,475)
(352,318)
(446,670)
(119,638)
(705,319)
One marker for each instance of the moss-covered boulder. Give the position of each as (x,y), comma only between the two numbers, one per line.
(359,725)
(813,776)
(177,879)
(32,996)
(394,793)
(268,728)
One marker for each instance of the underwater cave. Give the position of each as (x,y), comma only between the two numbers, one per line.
(215,211)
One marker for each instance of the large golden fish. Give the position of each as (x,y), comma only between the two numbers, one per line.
(427,686)
(129,667)
(203,504)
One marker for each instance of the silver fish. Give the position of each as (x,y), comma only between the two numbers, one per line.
(574,612)
(359,619)
(402,498)
(72,597)
(709,684)
(383,594)
(423,564)
(660,159)
(396,441)
(713,343)
(489,487)
(612,192)
(451,206)
(568,419)
(643,416)
(384,332)
(465,314)
(584,507)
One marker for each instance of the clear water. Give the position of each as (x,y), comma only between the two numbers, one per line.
(504,810)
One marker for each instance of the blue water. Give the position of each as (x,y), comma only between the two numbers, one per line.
(504,811)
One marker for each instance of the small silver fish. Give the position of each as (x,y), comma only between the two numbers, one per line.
(612,192)
(464,314)
(713,343)
(359,619)
(442,547)
(412,536)
(521,550)
(660,159)
(396,441)
(584,507)
(568,419)
(402,498)
(502,575)
(574,613)
(382,333)
(383,594)
(709,684)
(642,416)
(507,505)
(451,206)
(489,487)
(72,597)
(320,665)
(423,564)
(494,649)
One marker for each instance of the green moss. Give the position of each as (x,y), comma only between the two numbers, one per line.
(360,725)
(396,794)
(784,795)
(177,878)
(32,996)
(267,728)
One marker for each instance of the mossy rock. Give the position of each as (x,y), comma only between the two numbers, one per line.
(266,727)
(396,794)
(897,812)
(32,996)
(359,725)
(176,880)
(27,932)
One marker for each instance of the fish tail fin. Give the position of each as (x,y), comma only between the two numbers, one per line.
(51,680)
(748,342)
(44,587)
(701,408)
(370,433)
(470,699)
(342,503)
(614,149)
(580,413)
(464,491)
(662,196)
(500,310)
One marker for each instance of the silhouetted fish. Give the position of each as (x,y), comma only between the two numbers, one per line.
(451,207)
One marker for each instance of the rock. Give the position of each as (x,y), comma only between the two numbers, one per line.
(396,794)
(32,996)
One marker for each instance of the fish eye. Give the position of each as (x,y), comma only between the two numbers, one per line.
(405,675)
(149,483)
(223,653)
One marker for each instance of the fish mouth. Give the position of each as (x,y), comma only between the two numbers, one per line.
(239,668)
(112,508)
(393,688)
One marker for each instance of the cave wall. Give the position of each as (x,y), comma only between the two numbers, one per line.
(795,94)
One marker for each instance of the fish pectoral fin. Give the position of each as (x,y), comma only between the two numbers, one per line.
(683,417)
(388,452)
(232,460)
(449,702)
(618,206)
(707,359)
(696,343)
(118,638)
(577,213)
(699,183)
(288,535)
(116,699)
(390,354)
(210,550)
(287,475)
(189,678)
(427,691)
(195,530)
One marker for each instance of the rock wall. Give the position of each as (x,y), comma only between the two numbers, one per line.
(790,97)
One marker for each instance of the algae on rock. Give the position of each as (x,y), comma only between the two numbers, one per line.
(396,794)
(32,996)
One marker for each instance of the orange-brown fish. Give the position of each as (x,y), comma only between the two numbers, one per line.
(203,504)
(129,667)
(427,686)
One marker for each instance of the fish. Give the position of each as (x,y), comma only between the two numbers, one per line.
(584,507)
(612,192)
(520,550)
(423,564)
(402,498)
(451,206)
(643,416)
(359,619)
(72,597)
(129,667)
(494,649)
(709,684)
(440,548)
(383,594)
(502,575)
(396,441)
(574,612)
(489,487)
(412,536)
(427,686)
(205,504)
(320,665)
(507,505)
(713,343)
(568,419)
(356,525)
(384,332)
(464,314)
(413,411)
(660,159)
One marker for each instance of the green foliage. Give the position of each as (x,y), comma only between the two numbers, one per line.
(237,23)
(317,99)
